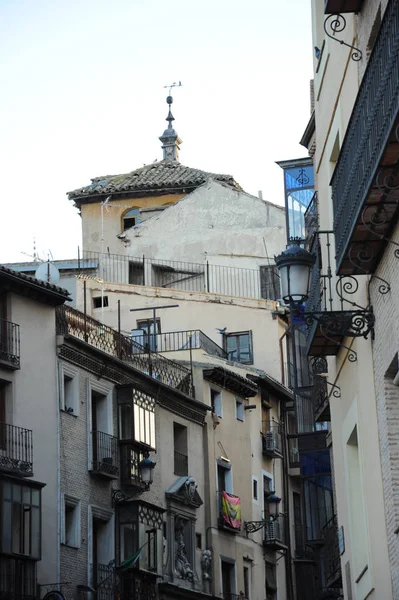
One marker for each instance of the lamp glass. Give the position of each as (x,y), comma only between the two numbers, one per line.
(298,282)
(146,467)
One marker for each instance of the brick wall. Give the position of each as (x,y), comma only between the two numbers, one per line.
(385,348)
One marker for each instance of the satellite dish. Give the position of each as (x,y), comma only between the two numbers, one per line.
(48,272)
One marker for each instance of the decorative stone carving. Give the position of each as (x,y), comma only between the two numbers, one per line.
(206,564)
(184,491)
(182,564)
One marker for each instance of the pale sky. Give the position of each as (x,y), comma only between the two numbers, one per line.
(82,95)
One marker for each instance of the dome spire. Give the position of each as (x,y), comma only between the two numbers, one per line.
(170,140)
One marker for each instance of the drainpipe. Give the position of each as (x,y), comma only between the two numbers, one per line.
(286,489)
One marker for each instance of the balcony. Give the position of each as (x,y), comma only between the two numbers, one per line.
(320,400)
(16,450)
(331,557)
(17,578)
(137,585)
(342,6)
(172,341)
(105,581)
(229,512)
(131,454)
(331,313)
(275,533)
(180,464)
(76,324)
(365,182)
(271,440)
(9,345)
(105,462)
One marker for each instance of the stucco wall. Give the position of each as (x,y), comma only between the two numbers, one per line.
(34,406)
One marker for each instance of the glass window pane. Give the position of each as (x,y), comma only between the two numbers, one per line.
(26,532)
(232,347)
(125,425)
(36,497)
(17,493)
(6,491)
(26,495)
(35,533)
(16,528)
(6,529)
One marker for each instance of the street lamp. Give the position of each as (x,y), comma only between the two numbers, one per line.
(273,500)
(295,266)
(146,467)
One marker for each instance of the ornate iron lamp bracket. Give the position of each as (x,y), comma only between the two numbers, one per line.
(252,526)
(118,496)
(337,23)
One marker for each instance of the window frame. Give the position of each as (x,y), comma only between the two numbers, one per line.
(136,217)
(21,501)
(237,335)
(72,503)
(239,409)
(217,410)
(67,371)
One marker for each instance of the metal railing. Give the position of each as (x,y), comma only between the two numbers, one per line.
(275,531)
(105,454)
(137,585)
(171,341)
(9,344)
(331,555)
(180,464)
(271,439)
(178,275)
(373,117)
(17,578)
(16,450)
(77,324)
(104,580)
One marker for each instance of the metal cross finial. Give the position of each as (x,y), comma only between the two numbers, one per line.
(172,85)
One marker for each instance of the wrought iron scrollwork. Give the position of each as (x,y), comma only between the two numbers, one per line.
(252,526)
(364,254)
(337,23)
(318,365)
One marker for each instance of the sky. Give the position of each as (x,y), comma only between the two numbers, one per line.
(83,96)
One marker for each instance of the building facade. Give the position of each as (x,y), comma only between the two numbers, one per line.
(352,233)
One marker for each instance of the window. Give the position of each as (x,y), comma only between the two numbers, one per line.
(224,478)
(70,526)
(216,402)
(269,283)
(198,541)
(239,347)
(21,527)
(147,330)
(101,551)
(267,490)
(131,218)
(99,301)
(239,410)
(136,273)
(271,585)
(69,392)
(136,416)
(246,584)
(228,579)
(298,522)
(180,449)
(255,488)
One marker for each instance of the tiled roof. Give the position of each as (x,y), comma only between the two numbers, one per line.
(158,178)
(50,289)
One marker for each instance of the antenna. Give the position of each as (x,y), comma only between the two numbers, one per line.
(172,85)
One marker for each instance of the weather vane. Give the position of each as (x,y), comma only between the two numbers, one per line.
(174,84)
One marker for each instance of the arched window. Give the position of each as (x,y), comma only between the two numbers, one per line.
(131,218)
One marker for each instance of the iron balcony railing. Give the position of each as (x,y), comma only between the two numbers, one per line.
(17,578)
(371,124)
(77,324)
(105,581)
(137,585)
(331,555)
(16,450)
(275,532)
(105,454)
(9,344)
(271,439)
(180,464)
(179,275)
(172,341)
